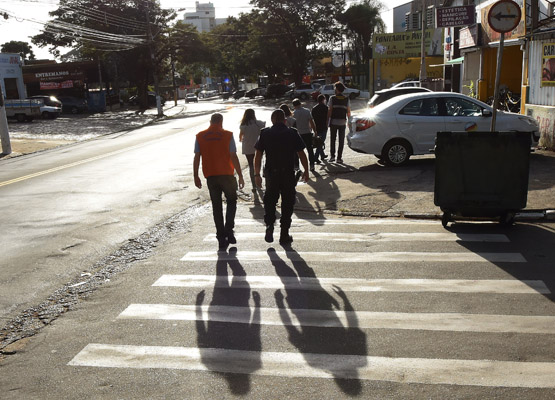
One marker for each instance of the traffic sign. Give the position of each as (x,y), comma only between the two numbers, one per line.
(504,16)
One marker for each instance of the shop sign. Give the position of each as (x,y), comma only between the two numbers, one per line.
(56,85)
(469,37)
(548,64)
(407,44)
(447,17)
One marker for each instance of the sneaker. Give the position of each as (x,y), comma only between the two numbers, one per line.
(317,162)
(312,167)
(332,159)
(231,237)
(269,238)
(285,239)
(222,243)
(340,161)
(324,156)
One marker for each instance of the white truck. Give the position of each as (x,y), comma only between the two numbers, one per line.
(23,110)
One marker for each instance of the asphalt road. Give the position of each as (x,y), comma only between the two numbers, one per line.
(64,210)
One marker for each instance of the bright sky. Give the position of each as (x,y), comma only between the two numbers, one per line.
(27,11)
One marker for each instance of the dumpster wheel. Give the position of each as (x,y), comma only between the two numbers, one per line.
(445,218)
(507,218)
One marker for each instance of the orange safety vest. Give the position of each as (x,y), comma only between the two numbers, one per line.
(214,150)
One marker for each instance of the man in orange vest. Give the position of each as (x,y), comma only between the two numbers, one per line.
(217,149)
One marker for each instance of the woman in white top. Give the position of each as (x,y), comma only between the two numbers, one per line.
(249,132)
(289,119)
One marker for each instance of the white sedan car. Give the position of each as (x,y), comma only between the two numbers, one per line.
(407,125)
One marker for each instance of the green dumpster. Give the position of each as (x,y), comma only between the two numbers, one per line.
(481,174)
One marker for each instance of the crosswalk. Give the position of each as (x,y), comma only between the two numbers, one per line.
(368,242)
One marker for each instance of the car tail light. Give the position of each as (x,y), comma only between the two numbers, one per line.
(363,124)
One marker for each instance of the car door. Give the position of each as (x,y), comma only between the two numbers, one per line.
(419,121)
(463,114)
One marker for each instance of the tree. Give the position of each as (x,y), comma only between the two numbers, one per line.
(22,48)
(302,29)
(101,28)
(362,21)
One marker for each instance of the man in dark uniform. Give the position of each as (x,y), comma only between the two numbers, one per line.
(280,144)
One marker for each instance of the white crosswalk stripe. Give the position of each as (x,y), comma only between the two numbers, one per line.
(380,236)
(353,257)
(406,370)
(430,371)
(357,285)
(455,322)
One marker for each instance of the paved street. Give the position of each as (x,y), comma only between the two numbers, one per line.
(111,286)
(370,308)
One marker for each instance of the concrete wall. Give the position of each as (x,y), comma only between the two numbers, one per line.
(545,116)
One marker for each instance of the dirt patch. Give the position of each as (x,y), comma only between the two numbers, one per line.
(26,146)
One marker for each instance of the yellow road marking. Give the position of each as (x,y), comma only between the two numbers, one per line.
(61,167)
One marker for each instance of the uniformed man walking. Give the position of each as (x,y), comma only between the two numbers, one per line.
(280,144)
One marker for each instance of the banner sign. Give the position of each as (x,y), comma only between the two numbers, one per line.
(407,44)
(548,65)
(469,36)
(447,17)
(56,85)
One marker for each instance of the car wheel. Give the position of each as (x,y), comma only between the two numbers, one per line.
(45,114)
(74,110)
(20,117)
(352,96)
(396,152)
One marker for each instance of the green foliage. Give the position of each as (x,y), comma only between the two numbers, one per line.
(22,48)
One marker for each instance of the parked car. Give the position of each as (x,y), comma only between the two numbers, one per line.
(382,95)
(51,108)
(303,91)
(329,90)
(407,125)
(255,92)
(204,94)
(406,83)
(73,105)
(191,98)
(276,90)
(238,94)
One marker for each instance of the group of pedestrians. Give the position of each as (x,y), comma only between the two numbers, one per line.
(282,145)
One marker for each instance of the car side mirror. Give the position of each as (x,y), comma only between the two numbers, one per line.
(486,113)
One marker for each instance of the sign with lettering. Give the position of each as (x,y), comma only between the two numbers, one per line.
(455,16)
(469,36)
(407,44)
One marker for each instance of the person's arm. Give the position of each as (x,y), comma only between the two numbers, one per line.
(257,168)
(313,126)
(241,135)
(237,166)
(196,163)
(330,109)
(304,162)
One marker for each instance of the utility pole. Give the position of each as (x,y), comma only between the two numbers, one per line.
(153,63)
(423,46)
(4,132)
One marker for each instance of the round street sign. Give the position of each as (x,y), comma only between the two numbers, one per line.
(504,16)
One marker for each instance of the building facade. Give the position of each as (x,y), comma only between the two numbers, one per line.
(204,17)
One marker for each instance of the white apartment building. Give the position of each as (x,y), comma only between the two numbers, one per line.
(204,18)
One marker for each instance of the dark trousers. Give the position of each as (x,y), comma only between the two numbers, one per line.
(279,182)
(336,130)
(226,184)
(250,160)
(319,153)
(307,139)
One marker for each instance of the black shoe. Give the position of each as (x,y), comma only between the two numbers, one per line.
(222,243)
(324,156)
(231,237)
(269,234)
(317,162)
(285,239)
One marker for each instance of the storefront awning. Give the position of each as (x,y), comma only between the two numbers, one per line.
(454,61)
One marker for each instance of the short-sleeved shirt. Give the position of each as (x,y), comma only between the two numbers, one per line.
(250,132)
(320,117)
(302,116)
(215,146)
(280,145)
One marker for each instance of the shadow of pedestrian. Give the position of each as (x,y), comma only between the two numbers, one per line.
(215,335)
(331,337)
